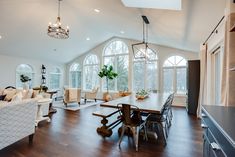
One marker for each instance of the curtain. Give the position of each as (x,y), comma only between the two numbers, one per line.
(203,82)
(228,77)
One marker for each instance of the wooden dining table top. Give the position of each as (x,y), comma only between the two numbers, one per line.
(152,104)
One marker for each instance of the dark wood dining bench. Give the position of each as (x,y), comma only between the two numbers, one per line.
(106,130)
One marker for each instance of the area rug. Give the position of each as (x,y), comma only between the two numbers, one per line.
(75,106)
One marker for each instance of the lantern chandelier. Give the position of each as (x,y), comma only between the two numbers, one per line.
(142,50)
(55,30)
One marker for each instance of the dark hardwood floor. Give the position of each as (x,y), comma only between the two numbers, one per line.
(73,134)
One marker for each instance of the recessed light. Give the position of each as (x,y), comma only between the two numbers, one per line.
(0,37)
(88,39)
(97,10)
(122,32)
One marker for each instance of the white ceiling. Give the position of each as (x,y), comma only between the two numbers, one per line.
(24,25)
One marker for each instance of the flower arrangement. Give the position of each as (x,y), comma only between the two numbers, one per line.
(141,94)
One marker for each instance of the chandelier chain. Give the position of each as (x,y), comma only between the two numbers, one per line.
(141,50)
(59,8)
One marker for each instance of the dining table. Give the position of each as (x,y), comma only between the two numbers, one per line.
(153,103)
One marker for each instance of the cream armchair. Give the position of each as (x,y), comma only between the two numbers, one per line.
(91,95)
(72,95)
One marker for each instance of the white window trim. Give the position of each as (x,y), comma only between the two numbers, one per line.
(115,64)
(78,70)
(83,86)
(174,67)
(18,72)
(146,62)
(55,73)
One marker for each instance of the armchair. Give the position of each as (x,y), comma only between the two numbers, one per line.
(72,95)
(91,95)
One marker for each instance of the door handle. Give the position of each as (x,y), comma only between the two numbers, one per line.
(204,115)
(215,146)
(204,126)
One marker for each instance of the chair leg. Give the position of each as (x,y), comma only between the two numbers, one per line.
(165,126)
(145,133)
(166,129)
(144,126)
(31,139)
(135,131)
(163,132)
(122,134)
(171,116)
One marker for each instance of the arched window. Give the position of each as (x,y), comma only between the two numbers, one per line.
(174,73)
(55,78)
(24,69)
(116,54)
(145,72)
(75,75)
(91,69)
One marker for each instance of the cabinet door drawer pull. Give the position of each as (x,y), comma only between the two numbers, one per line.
(204,126)
(215,146)
(204,115)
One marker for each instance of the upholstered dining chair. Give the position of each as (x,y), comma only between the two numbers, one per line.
(131,119)
(91,95)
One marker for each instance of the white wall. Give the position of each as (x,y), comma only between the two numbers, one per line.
(163,54)
(8,66)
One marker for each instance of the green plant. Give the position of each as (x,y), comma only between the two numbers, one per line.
(24,78)
(108,73)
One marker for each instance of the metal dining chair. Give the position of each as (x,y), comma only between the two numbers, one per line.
(162,120)
(131,119)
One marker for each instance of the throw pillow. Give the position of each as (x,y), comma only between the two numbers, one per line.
(24,94)
(35,93)
(17,97)
(9,94)
(29,94)
(2,97)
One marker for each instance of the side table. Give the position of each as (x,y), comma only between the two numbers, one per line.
(51,109)
(39,118)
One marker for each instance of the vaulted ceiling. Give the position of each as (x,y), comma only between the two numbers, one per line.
(24,24)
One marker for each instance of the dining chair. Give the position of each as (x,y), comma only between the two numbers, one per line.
(131,119)
(170,113)
(162,120)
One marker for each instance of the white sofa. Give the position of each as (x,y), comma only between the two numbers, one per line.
(20,94)
(17,121)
